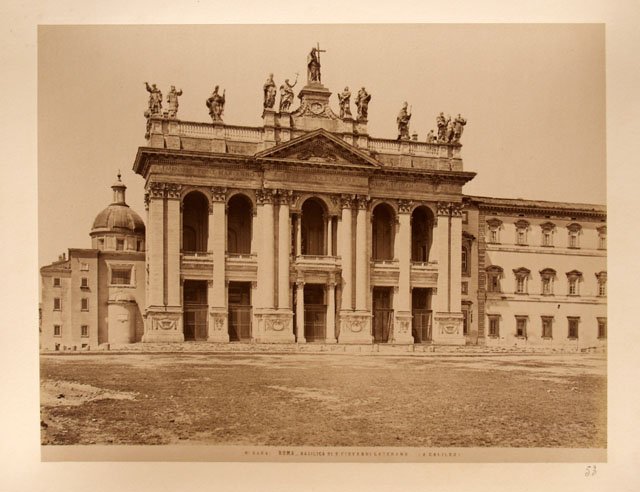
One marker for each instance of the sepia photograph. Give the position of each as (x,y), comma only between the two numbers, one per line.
(370,243)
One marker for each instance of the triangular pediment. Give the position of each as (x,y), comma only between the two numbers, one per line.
(320,147)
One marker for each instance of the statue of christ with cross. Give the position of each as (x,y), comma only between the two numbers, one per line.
(313,64)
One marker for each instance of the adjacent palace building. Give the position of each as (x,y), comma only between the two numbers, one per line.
(309,230)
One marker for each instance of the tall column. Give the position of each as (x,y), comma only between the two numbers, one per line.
(362,258)
(331,312)
(300,312)
(447,312)
(265,247)
(330,236)
(402,296)
(217,295)
(284,247)
(345,252)
(299,234)
(163,313)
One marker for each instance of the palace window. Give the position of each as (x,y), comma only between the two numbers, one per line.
(84,267)
(84,304)
(84,331)
(602,283)
(521,326)
(119,244)
(493,278)
(121,275)
(57,331)
(493,230)
(522,226)
(573,278)
(464,288)
(547,326)
(574,235)
(57,304)
(602,237)
(547,233)
(84,283)
(494,325)
(465,217)
(56,281)
(522,276)
(573,326)
(602,327)
(547,275)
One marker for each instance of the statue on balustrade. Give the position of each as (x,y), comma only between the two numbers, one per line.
(403,122)
(155,101)
(313,65)
(449,136)
(172,100)
(431,137)
(269,89)
(345,102)
(362,103)
(286,94)
(215,103)
(458,128)
(441,123)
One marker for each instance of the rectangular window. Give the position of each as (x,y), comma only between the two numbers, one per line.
(602,241)
(57,304)
(547,324)
(602,289)
(465,288)
(84,304)
(465,217)
(602,327)
(57,331)
(100,243)
(521,326)
(520,285)
(56,281)
(84,282)
(494,326)
(84,331)
(521,237)
(573,239)
(121,276)
(573,327)
(119,244)
(493,236)
(546,286)
(546,238)
(573,286)
(465,261)
(84,267)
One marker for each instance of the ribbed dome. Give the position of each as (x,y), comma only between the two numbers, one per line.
(118,218)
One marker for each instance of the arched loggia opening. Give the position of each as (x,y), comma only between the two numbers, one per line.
(195,222)
(239,225)
(313,228)
(382,237)
(422,222)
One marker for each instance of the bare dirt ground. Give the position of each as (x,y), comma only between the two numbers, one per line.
(325,400)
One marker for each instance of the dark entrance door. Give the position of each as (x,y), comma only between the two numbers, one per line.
(195,310)
(315,313)
(421,310)
(382,314)
(239,311)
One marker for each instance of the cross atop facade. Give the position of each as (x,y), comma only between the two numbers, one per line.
(318,50)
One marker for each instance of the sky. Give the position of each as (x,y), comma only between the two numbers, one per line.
(533,97)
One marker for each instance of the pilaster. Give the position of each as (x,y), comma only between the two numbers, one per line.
(300,312)
(331,312)
(402,297)
(217,290)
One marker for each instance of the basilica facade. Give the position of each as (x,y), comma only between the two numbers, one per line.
(307,229)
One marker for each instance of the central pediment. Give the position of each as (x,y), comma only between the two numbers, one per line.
(321,147)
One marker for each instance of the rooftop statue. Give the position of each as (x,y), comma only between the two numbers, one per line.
(362,102)
(449,136)
(269,89)
(155,101)
(458,128)
(313,64)
(441,122)
(431,137)
(345,102)
(403,122)
(172,100)
(215,103)
(286,94)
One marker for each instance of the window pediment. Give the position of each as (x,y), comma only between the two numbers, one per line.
(574,227)
(521,272)
(574,274)
(548,226)
(548,272)
(494,223)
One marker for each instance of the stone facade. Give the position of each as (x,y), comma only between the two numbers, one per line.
(307,229)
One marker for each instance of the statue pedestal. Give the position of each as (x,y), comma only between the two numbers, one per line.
(402,328)
(163,324)
(273,326)
(355,327)
(218,326)
(447,329)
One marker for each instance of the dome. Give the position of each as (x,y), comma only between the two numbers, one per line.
(118,217)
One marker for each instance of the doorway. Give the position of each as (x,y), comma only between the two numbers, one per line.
(315,313)
(239,311)
(422,314)
(382,314)
(195,310)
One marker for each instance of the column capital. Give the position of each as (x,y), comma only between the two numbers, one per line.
(300,284)
(443,208)
(456,209)
(404,206)
(147,199)
(347,201)
(285,197)
(155,189)
(172,191)
(265,196)
(218,194)
(363,202)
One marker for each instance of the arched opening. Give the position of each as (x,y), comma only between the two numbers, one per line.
(195,222)
(313,228)
(239,224)
(383,232)
(422,222)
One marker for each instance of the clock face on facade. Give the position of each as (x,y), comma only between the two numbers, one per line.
(316,108)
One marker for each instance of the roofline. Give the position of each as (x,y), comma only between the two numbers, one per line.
(518,203)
